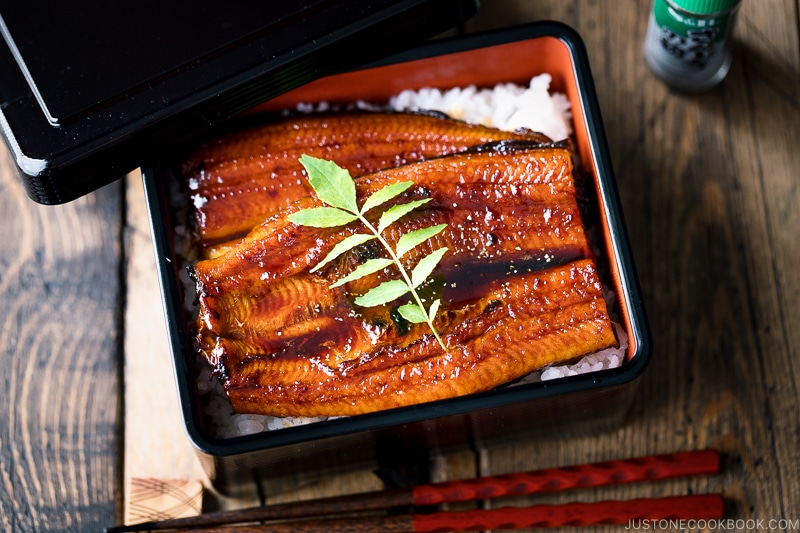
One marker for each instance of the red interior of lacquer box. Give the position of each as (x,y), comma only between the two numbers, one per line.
(515,62)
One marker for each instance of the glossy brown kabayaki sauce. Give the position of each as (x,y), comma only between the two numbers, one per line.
(237,180)
(518,285)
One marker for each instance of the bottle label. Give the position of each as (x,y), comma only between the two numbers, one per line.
(695,41)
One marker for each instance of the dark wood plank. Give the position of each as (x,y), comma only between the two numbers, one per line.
(710,191)
(59,390)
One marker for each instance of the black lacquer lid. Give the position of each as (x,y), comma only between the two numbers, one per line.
(91,90)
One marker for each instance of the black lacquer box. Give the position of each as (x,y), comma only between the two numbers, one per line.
(68,144)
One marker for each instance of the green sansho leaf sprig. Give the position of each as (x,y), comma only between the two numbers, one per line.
(335,188)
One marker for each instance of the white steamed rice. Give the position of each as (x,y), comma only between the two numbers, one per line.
(506,106)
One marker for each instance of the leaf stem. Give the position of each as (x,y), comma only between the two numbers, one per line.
(404,274)
(335,187)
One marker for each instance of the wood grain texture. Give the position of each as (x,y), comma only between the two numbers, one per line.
(156,446)
(709,186)
(710,192)
(59,335)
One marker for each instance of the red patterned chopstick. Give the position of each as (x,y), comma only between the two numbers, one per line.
(648,468)
(653,467)
(673,508)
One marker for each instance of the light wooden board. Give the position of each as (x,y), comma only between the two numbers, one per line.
(156,446)
(155,443)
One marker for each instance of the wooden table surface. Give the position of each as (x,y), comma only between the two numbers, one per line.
(710,187)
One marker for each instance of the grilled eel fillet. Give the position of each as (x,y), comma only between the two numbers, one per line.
(238,180)
(520,291)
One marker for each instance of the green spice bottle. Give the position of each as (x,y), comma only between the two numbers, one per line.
(688,43)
